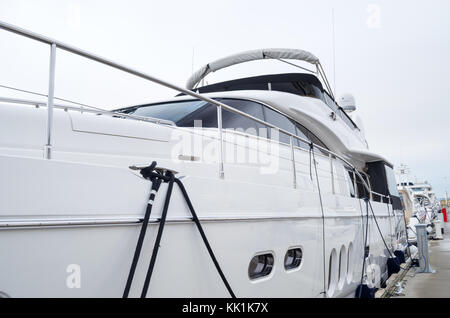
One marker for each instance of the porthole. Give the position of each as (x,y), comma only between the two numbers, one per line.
(332,273)
(260,266)
(342,267)
(293,258)
(350,263)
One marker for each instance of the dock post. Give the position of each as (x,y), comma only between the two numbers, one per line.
(422,246)
(437,230)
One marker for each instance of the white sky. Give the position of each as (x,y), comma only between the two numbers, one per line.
(393,56)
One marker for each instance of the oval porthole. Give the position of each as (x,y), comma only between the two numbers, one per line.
(260,266)
(293,258)
(332,273)
(342,267)
(350,263)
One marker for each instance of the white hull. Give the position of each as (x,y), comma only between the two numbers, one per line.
(83,207)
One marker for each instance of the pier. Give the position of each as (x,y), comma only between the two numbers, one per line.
(436,285)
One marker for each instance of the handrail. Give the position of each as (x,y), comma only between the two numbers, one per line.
(88,109)
(60,45)
(379,194)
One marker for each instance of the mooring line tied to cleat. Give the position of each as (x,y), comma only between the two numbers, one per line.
(158,176)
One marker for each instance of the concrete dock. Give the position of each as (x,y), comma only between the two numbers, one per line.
(436,285)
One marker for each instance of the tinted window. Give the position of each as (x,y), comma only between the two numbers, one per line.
(260,266)
(346,119)
(232,120)
(330,102)
(170,111)
(317,141)
(362,192)
(281,121)
(293,258)
(392,184)
(184,113)
(207,114)
(350,179)
(303,133)
(338,111)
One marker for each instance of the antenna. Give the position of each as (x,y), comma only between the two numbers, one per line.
(192,66)
(334,50)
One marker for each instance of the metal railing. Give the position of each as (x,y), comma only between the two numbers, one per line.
(89,109)
(54,44)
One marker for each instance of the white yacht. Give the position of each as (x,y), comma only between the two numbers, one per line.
(419,200)
(274,194)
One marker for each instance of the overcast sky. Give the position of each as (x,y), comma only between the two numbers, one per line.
(393,56)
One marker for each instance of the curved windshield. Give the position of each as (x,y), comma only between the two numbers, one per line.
(175,112)
(196,113)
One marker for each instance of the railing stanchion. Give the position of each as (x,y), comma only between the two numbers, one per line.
(332,173)
(51,95)
(219,125)
(293,162)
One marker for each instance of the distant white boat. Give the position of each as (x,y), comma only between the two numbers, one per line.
(277,174)
(424,207)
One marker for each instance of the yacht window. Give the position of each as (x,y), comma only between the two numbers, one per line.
(350,180)
(293,258)
(307,89)
(232,120)
(318,142)
(362,191)
(260,266)
(330,102)
(185,113)
(281,121)
(181,113)
(392,184)
(338,111)
(303,133)
(346,118)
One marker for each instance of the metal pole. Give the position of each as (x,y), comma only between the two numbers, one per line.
(446,195)
(446,199)
(332,173)
(51,95)
(422,246)
(293,163)
(219,125)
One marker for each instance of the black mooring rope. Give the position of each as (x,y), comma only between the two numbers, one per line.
(158,237)
(365,244)
(311,145)
(382,237)
(311,150)
(155,187)
(157,178)
(205,240)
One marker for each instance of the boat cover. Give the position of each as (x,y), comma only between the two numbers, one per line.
(247,56)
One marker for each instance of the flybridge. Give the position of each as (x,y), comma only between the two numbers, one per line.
(300,84)
(295,83)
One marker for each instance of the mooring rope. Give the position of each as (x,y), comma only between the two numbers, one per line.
(157,178)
